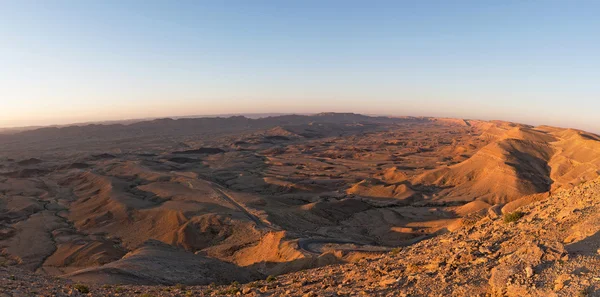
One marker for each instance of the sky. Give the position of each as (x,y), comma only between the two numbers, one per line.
(535,62)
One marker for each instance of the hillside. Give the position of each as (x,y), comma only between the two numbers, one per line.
(241,199)
(550,251)
(517,162)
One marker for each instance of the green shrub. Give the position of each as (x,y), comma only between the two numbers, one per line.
(396,251)
(229,291)
(271,278)
(513,216)
(82,288)
(180,286)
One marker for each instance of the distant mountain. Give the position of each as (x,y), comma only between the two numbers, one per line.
(183,126)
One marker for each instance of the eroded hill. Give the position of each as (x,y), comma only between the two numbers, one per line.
(547,248)
(123,204)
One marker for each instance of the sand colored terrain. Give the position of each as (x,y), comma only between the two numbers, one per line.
(551,250)
(123,204)
(522,161)
(155,263)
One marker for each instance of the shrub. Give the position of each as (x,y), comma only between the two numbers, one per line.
(82,288)
(584,292)
(271,278)
(396,251)
(513,216)
(180,286)
(229,291)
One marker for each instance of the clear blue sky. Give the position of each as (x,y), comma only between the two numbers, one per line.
(72,61)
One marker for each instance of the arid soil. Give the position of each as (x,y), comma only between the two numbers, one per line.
(550,249)
(394,204)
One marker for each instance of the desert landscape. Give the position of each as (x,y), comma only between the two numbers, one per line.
(331,204)
(299,148)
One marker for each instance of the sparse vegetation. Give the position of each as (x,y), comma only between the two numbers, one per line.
(82,288)
(584,292)
(180,286)
(513,216)
(396,251)
(229,291)
(271,278)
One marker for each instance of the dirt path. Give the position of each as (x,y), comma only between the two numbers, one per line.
(227,198)
(239,206)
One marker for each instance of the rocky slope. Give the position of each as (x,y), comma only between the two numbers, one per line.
(547,248)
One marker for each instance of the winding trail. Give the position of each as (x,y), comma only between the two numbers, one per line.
(304,244)
(239,206)
(227,198)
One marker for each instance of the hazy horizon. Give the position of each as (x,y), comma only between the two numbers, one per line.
(260,115)
(66,62)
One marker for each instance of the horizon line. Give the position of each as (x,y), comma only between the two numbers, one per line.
(257,115)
